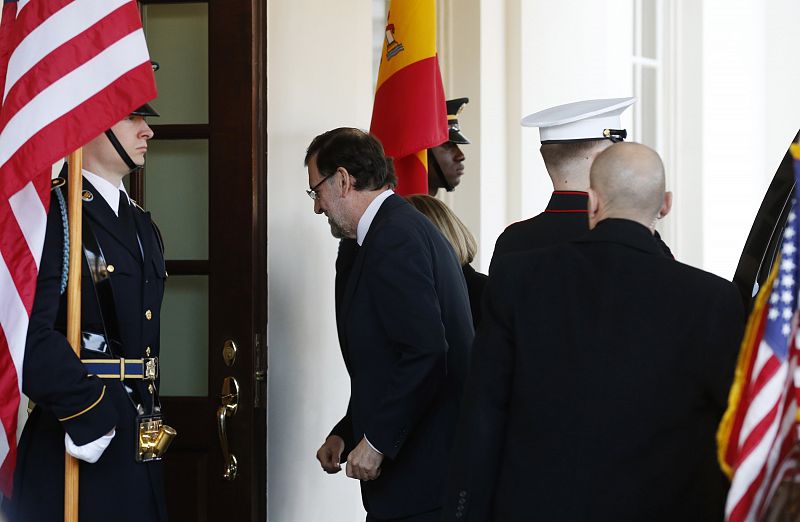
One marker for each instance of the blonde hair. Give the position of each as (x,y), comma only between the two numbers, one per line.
(449,225)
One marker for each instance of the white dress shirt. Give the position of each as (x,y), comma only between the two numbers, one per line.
(107,190)
(369,214)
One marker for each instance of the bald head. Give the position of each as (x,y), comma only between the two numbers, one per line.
(627,181)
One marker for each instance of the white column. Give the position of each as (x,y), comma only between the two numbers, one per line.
(733,123)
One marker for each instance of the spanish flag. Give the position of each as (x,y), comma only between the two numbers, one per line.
(410,115)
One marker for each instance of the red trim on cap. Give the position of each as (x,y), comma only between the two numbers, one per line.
(554,211)
(572,192)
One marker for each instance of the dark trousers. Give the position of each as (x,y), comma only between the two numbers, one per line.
(430,516)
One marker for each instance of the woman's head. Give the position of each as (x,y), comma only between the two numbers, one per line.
(448,224)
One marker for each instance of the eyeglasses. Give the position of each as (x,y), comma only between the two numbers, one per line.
(312,192)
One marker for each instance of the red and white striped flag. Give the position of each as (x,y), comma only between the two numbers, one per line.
(758,435)
(69,70)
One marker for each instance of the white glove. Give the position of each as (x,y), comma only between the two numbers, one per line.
(91,451)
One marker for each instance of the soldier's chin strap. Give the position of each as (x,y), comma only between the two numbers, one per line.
(121,151)
(432,163)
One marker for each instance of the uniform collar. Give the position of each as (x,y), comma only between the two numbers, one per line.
(107,190)
(369,214)
(564,201)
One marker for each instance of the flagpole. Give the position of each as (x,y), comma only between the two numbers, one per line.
(74,205)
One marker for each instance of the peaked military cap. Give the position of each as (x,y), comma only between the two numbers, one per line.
(147,109)
(454,108)
(582,120)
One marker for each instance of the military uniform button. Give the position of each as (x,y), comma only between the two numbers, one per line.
(110,268)
(147,351)
(148,315)
(151,389)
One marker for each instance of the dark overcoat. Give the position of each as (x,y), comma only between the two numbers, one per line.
(600,372)
(405,331)
(564,219)
(476,283)
(115,487)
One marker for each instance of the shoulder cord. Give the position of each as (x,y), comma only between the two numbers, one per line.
(62,205)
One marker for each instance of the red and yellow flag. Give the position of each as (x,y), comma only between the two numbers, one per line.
(410,115)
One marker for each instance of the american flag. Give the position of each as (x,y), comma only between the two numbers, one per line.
(69,70)
(759,431)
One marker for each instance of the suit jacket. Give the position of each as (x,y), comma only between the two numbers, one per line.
(115,487)
(564,219)
(405,331)
(600,372)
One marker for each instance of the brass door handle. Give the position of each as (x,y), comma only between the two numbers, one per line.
(230,403)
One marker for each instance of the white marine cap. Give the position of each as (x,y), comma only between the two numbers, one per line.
(583,120)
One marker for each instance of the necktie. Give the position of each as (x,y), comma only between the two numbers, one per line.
(125,214)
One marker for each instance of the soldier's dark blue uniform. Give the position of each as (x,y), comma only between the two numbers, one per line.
(116,487)
(122,286)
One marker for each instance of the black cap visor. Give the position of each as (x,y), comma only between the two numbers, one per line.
(145,110)
(455,135)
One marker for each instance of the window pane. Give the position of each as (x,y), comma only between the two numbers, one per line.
(177,37)
(176,192)
(184,337)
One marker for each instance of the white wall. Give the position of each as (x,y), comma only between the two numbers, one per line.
(319,77)
(782,79)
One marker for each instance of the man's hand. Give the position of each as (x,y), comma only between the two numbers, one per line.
(330,454)
(364,463)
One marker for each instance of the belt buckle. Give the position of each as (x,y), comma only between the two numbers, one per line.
(150,368)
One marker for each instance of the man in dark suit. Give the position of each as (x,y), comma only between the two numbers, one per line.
(89,408)
(572,136)
(405,330)
(599,373)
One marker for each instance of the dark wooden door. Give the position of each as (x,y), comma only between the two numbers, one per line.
(205,184)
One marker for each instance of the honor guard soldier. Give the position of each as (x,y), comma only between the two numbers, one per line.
(446,161)
(572,135)
(102,408)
